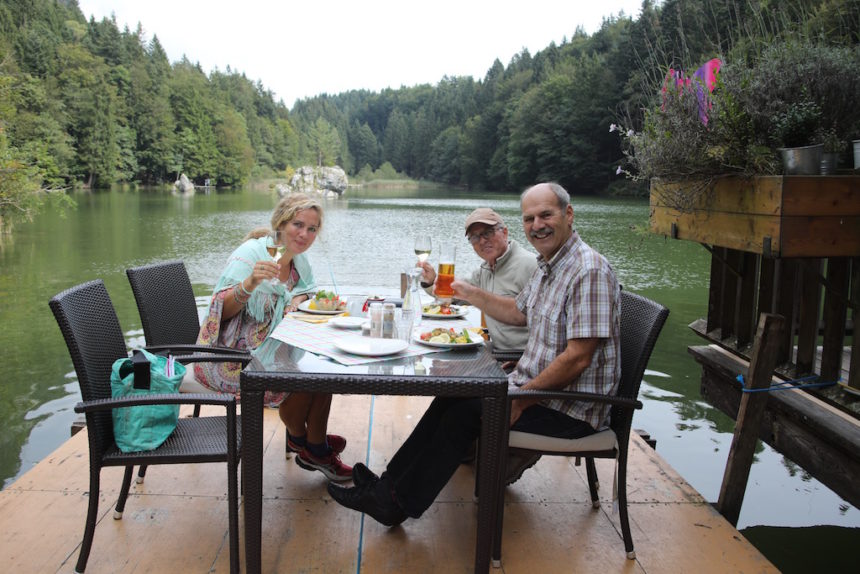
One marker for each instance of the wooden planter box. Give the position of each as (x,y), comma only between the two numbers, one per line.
(775,216)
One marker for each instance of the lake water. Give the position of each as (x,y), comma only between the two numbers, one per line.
(365,242)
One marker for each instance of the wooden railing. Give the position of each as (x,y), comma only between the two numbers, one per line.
(813,295)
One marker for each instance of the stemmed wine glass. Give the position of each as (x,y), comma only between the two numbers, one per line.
(279,251)
(423,247)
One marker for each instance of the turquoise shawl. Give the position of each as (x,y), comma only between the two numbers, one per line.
(241,264)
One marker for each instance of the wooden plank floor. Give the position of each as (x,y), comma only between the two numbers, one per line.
(176,521)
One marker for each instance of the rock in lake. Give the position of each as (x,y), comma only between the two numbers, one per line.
(323,180)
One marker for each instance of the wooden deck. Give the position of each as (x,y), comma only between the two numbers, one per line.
(177,520)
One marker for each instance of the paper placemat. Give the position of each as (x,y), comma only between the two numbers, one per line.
(319,338)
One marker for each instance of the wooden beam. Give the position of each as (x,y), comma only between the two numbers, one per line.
(715,291)
(854,368)
(730,293)
(784,304)
(834,315)
(807,321)
(750,415)
(746,311)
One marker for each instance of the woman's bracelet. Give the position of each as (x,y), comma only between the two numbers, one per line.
(241,300)
(245,291)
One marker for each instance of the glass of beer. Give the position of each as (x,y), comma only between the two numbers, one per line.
(446,271)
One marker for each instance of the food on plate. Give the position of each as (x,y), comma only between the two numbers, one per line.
(326,301)
(447,336)
(444,309)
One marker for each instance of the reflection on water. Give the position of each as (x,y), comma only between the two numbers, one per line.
(365,242)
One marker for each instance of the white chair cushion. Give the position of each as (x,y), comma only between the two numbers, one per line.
(603,440)
(190,384)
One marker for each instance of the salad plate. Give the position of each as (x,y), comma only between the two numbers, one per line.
(304,306)
(438,312)
(446,339)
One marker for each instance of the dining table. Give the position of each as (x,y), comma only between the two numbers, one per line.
(307,356)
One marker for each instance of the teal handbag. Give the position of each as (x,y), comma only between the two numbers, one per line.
(144,427)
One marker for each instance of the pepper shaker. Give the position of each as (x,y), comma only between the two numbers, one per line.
(376,320)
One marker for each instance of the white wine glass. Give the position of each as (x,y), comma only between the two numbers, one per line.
(279,251)
(423,247)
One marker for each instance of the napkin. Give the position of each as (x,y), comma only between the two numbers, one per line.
(311,318)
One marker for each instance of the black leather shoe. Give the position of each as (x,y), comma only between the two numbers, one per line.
(518,463)
(374,500)
(361,475)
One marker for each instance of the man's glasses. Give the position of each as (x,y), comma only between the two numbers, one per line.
(486,234)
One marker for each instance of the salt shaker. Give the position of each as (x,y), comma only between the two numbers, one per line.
(376,320)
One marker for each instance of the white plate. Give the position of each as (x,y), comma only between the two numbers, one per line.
(370,346)
(457,313)
(303,306)
(480,341)
(347,322)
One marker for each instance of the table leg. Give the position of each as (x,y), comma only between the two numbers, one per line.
(492,430)
(252,477)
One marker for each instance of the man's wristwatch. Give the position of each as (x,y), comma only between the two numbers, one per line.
(425,285)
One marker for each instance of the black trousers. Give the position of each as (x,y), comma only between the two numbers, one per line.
(425,462)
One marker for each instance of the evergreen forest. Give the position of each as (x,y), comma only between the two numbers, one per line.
(85,104)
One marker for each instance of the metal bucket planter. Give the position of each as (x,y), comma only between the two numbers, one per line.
(829,163)
(802,160)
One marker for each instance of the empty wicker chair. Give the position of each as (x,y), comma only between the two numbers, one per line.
(90,327)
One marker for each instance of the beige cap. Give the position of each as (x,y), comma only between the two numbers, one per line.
(483,215)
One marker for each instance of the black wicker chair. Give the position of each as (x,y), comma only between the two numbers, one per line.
(90,327)
(641,323)
(168,311)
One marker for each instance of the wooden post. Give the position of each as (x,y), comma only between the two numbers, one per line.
(854,367)
(834,313)
(762,363)
(808,313)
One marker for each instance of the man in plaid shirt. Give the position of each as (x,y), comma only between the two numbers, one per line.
(572,308)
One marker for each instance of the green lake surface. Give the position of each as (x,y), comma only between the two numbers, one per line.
(365,242)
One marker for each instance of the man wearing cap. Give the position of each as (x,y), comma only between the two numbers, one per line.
(505,270)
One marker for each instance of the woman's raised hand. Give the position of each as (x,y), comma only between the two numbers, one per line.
(262,271)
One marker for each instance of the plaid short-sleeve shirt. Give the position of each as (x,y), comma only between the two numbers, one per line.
(573,296)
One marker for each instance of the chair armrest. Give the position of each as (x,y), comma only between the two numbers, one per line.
(213,358)
(506,355)
(185,348)
(575,395)
(159,399)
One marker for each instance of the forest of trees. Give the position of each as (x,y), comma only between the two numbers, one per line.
(85,103)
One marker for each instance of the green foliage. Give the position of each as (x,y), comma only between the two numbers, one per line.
(323,142)
(85,103)
(776,99)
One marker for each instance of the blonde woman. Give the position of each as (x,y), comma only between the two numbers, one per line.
(246,307)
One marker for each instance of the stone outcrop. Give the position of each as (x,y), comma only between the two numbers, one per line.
(184,185)
(323,180)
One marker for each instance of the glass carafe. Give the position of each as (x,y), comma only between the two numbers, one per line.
(412,299)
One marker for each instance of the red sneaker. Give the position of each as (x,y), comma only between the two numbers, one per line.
(336,442)
(329,465)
